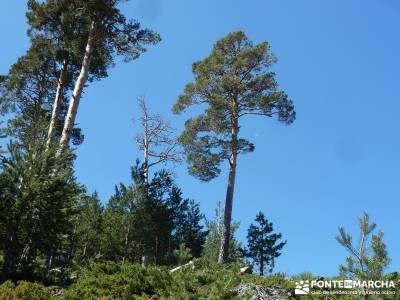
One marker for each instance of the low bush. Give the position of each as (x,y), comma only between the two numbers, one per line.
(24,290)
(113,281)
(206,281)
(116,281)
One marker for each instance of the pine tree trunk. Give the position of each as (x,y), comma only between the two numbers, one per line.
(57,102)
(226,230)
(77,93)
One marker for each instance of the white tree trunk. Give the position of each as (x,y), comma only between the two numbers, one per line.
(77,93)
(57,102)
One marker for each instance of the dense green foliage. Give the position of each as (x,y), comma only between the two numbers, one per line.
(87,239)
(206,281)
(148,221)
(116,281)
(24,291)
(38,197)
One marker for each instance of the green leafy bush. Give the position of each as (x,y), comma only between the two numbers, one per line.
(115,281)
(24,291)
(206,281)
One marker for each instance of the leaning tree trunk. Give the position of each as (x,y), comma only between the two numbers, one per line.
(77,93)
(226,230)
(57,102)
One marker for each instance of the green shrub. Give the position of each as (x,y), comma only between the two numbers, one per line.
(115,281)
(24,291)
(206,281)
(112,281)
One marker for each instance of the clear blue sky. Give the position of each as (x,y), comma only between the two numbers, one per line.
(338,60)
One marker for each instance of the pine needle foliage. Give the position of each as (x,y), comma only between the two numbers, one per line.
(369,257)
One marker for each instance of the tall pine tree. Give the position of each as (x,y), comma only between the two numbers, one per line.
(234,82)
(88,36)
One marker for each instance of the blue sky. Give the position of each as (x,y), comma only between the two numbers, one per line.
(338,61)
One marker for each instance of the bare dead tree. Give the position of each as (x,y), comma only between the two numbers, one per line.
(157,142)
